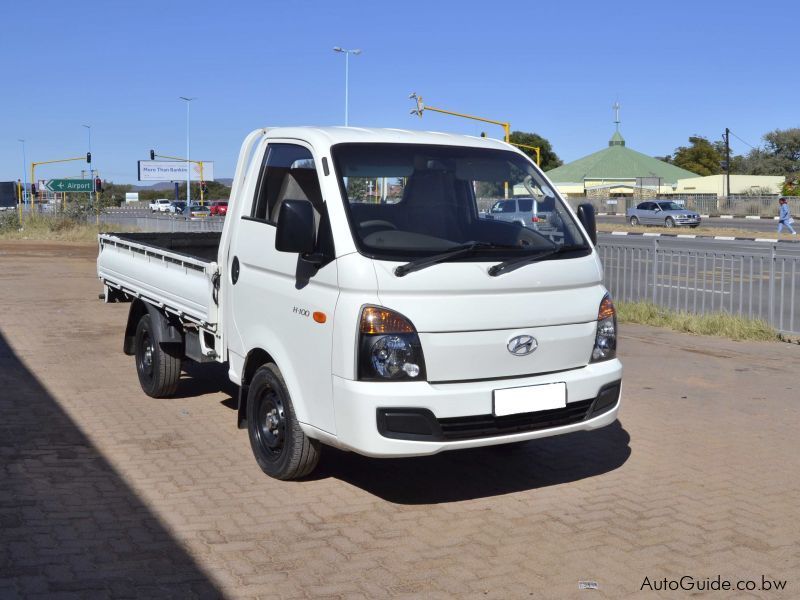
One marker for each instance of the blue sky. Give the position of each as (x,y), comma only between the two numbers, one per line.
(678,69)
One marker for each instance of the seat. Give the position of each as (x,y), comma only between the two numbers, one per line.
(299,184)
(431,205)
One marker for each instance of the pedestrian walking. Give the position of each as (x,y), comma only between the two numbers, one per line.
(785,216)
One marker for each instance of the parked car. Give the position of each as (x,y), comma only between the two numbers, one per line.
(219,208)
(196,210)
(176,208)
(391,329)
(662,213)
(160,205)
(527,212)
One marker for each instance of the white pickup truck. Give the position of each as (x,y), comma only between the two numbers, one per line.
(360,301)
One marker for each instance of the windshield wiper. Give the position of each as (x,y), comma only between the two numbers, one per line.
(516,263)
(462,250)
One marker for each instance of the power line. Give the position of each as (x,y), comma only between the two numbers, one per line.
(741,140)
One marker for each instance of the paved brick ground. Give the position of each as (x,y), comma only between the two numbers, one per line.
(105,492)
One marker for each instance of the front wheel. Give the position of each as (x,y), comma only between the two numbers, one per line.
(634,221)
(280,446)
(669,223)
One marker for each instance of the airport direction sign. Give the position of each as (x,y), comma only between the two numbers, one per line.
(70,185)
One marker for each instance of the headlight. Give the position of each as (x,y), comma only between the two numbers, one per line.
(388,347)
(605,341)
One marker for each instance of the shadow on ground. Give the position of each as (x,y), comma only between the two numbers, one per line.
(482,472)
(69,524)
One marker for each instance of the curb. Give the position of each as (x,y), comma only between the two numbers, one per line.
(605,214)
(690,236)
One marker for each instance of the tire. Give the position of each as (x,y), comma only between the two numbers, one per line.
(634,221)
(279,445)
(158,370)
(669,223)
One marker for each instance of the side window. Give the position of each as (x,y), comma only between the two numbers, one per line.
(288,173)
(525,205)
(508,206)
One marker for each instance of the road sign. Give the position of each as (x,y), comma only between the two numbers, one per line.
(70,185)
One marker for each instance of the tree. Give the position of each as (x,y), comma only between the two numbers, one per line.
(550,159)
(701,157)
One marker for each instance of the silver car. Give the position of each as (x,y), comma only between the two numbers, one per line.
(525,211)
(663,213)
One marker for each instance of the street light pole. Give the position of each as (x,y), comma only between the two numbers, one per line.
(347,54)
(89,129)
(188,162)
(24,173)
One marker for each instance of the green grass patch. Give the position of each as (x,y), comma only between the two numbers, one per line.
(52,228)
(719,324)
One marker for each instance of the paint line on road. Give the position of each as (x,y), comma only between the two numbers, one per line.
(651,234)
(765,240)
(690,289)
(726,238)
(751,217)
(687,236)
(619,233)
(726,216)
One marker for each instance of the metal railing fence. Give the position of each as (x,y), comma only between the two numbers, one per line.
(753,285)
(161,224)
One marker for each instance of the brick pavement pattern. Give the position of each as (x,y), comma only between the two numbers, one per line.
(105,492)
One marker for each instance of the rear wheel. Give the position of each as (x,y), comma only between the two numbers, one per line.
(634,221)
(158,370)
(280,447)
(669,223)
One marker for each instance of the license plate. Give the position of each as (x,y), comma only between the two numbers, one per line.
(532,398)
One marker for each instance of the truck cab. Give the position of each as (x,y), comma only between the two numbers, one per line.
(360,299)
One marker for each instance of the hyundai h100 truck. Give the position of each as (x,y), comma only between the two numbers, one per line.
(360,301)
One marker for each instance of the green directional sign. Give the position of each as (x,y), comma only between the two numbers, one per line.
(70,185)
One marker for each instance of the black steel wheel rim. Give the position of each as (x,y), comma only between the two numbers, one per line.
(145,355)
(270,423)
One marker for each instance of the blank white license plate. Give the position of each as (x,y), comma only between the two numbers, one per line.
(532,398)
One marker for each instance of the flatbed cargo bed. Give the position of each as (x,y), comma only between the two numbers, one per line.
(174,271)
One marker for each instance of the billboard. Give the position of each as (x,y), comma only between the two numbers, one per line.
(173,170)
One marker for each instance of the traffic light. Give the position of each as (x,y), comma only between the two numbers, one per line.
(203,187)
(152,154)
(89,157)
(98,185)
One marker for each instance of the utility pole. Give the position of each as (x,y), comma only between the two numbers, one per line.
(728,161)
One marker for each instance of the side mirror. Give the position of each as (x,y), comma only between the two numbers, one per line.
(587,219)
(295,227)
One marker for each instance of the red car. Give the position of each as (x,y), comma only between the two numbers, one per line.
(219,208)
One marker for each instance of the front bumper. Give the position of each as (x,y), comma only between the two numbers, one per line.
(688,221)
(359,404)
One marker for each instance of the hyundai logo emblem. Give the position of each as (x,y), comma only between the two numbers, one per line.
(522,345)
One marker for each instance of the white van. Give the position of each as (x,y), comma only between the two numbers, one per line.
(359,300)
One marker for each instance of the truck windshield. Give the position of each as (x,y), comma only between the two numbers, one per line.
(407,201)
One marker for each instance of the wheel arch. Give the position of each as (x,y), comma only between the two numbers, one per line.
(254,359)
(282,360)
(169,331)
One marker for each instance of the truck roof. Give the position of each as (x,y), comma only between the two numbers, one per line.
(339,135)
